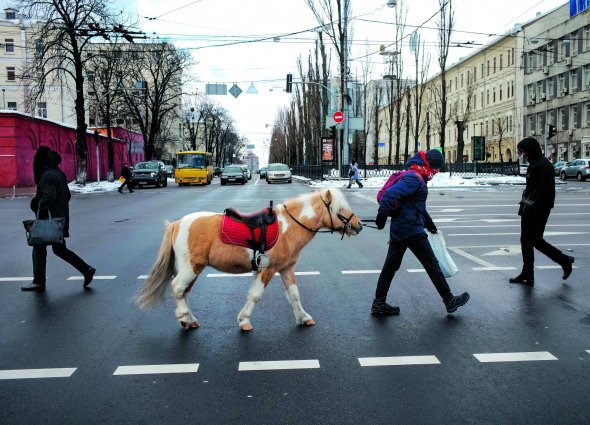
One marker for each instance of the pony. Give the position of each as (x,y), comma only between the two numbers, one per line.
(194,242)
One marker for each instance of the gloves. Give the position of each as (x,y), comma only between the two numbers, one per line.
(380,221)
(432,228)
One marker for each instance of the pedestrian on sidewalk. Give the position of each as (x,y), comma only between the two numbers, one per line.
(405,203)
(538,199)
(53,196)
(126,174)
(354,175)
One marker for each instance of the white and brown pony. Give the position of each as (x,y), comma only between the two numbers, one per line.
(194,242)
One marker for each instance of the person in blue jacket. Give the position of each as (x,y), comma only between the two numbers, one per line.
(355,176)
(405,203)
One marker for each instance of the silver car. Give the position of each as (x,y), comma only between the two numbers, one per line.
(278,173)
(578,168)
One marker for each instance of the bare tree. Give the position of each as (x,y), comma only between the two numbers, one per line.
(422,63)
(499,129)
(445,25)
(460,112)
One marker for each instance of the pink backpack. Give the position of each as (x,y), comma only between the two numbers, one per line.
(393,179)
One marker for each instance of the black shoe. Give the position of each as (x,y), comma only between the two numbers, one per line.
(381,307)
(131,191)
(119,190)
(456,301)
(525,280)
(362,186)
(88,276)
(567,267)
(33,287)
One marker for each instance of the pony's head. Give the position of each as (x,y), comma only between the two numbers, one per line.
(338,215)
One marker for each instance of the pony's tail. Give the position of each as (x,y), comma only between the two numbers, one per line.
(154,287)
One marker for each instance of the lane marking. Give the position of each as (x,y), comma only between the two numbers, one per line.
(15,279)
(416,270)
(490,269)
(94,278)
(398,361)
(471,257)
(515,357)
(588,351)
(157,369)
(279,365)
(449,210)
(37,373)
(360,271)
(508,234)
(249,274)
(142,276)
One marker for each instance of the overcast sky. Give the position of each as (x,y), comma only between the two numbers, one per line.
(204,26)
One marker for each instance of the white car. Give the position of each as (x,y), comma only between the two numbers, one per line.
(278,173)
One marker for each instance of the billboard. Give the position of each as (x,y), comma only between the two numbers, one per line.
(327,149)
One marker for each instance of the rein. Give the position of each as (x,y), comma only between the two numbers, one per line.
(345,221)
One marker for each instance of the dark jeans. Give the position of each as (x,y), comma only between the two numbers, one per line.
(421,248)
(128,183)
(532,227)
(40,261)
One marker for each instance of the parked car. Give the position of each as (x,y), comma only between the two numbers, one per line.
(217,172)
(169,171)
(262,172)
(558,166)
(148,173)
(233,174)
(578,168)
(278,173)
(248,171)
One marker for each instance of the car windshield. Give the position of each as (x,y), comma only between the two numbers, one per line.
(232,169)
(190,160)
(278,167)
(146,166)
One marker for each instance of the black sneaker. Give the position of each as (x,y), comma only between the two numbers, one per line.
(524,280)
(88,276)
(382,308)
(33,287)
(567,267)
(456,301)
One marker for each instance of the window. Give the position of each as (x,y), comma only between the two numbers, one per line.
(494,95)
(494,65)
(551,89)
(11,106)
(587,107)
(9,45)
(500,94)
(563,119)
(586,77)
(575,116)
(10,73)
(508,55)
(531,123)
(39,47)
(587,38)
(501,61)
(488,73)
(461,80)
(42,109)
(574,80)
(482,74)
(10,14)
(562,83)
(487,97)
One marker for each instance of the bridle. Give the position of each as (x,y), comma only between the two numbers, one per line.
(345,221)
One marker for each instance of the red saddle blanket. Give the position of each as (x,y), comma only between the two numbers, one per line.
(236,233)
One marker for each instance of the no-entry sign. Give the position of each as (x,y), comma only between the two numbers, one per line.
(338,116)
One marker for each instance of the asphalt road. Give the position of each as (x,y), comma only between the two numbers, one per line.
(513,354)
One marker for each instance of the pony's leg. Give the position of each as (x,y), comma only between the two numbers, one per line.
(254,294)
(292,293)
(181,286)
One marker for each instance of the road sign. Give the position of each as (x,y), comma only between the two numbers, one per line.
(338,116)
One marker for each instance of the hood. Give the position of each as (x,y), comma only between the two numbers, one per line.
(53,159)
(415,160)
(531,147)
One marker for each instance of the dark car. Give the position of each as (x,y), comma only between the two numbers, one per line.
(233,174)
(150,173)
(262,172)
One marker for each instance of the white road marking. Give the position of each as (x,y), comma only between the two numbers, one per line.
(588,351)
(471,257)
(508,234)
(249,274)
(15,279)
(279,365)
(361,271)
(490,269)
(446,220)
(499,220)
(416,270)
(398,361)
(509,250)
(142,276)
(37,373)
(515,357)
(157,368)
(449,210)
(94,278)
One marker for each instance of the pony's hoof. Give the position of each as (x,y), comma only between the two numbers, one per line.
(310,322)
(187,326)
(246,327)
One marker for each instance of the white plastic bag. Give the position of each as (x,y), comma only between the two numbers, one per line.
(447,265)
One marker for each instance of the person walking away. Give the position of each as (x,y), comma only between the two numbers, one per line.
(355,176)
(538,199)
(405,203)
(53,196)
(126,174)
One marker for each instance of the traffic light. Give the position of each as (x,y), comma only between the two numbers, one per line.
(552,131)
(289,83)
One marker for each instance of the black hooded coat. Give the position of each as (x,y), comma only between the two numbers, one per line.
(540,179)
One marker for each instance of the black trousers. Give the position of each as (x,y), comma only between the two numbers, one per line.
(128,183)
(62,251)
(532,227)
(421,248)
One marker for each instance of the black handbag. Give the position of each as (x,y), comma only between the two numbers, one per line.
(351,173)
(45,232)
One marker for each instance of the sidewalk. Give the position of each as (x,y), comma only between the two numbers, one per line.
(18,192)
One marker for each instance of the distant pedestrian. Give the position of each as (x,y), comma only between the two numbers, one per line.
(354,175)
(53,196)
(405,203)
(538,199)
(126,174)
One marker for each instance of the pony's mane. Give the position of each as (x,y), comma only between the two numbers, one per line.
(338,200)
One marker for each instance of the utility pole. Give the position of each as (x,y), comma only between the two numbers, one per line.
(344,94)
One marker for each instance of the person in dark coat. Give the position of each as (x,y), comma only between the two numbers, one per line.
(538,199)
(53,196)
(405,203)
(126,174)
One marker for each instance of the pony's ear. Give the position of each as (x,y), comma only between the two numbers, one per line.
(328,196)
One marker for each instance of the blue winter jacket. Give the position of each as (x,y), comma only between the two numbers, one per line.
(405,203)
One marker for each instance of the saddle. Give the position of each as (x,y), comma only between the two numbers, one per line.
(257,231)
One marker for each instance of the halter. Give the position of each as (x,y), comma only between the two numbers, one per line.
(345,221)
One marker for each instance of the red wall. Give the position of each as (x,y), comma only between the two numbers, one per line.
(21,135)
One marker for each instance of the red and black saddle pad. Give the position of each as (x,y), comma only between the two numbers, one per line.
(237,233)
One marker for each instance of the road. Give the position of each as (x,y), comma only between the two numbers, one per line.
(513,354)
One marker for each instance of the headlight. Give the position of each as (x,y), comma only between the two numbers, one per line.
(153,174)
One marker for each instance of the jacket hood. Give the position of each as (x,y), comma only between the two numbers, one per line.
(53,159)
(531,147)
(415,160)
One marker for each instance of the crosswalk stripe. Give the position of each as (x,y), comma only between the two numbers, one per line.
(249,274)
(489,269)
(142,276)
(15,279)
(515,357)
(157,369)
(398,361)
(588,351)
(279,365)
(361,271)
(37,373)
(94,278)
(416,270)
